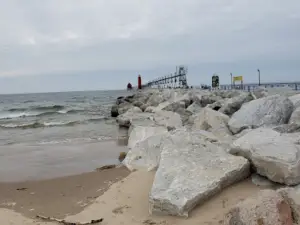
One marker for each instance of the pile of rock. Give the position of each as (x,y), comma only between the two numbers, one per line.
(200,142)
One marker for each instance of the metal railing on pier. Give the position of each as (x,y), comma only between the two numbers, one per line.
(176,80)
(253,86)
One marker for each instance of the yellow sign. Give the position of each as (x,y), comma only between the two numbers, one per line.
(239,78)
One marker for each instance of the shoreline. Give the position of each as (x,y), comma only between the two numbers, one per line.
(110,194)
(183,169)
(58,197)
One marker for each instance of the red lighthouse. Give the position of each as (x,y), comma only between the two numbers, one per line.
(139,82)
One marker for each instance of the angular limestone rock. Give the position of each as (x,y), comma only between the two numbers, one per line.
(141,133)
(274,155)
(174,106)
(124,107)
(266,208)
(191,170)
(155,99)
(150,109)
(209,99)
(295,118)
(295,99)
(213,121)
(114,112)
(194,108)
(272,110)
(128,118)
(288,128)
(242,133)
(168,119)
(234,104)
(145,155)
(160,118)
(260,93)
(263,182)
(216,105)
(138,104)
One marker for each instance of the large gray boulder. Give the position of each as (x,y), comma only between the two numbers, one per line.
(273,155)
(228,93)
(267,207)
(209,99)
(272,110)
(141,133)
(129,118)
(175,103)
(172,94)
(174,106)
(145,155)
(260,92)
(295,99)
(295,117)
(216,105)
(114,112)
(263,182)
(150,109)
(124,107)
(185,115)
(234,104)
(191,170)
(288,128)
(194,108)
(211,120)
(138,104)
(195,95)
(142,96)
(155,99)
(168,119)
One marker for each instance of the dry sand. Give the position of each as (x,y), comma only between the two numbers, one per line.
(125,202)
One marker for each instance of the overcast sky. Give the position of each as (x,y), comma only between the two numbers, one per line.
(57,45)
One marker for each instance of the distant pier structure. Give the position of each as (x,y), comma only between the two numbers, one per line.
(176,80)
(252,86)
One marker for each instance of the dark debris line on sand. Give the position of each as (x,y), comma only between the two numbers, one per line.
(51,219)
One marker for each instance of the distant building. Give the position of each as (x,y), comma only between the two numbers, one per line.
(129,86)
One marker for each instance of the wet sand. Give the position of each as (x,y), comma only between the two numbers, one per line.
(24,162)
(58,197)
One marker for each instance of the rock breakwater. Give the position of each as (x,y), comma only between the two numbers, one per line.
(200,142)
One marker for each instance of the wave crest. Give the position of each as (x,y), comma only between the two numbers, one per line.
(37,125)
(16,113)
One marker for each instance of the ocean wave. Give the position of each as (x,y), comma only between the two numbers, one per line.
(74,111)
(33,125)
(97,119)
(18,113)
(75,140)
(28,101)
(38,108)
(17,109)
(38,125)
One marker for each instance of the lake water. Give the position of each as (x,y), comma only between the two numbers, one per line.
(55,134)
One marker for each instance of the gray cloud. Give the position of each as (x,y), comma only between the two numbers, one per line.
(57,37)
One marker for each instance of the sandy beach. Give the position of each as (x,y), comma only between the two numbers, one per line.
(95,195)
